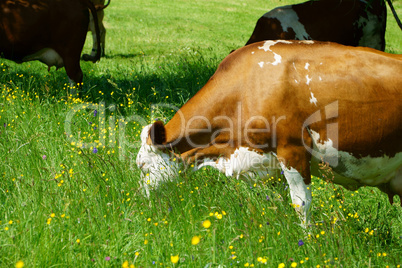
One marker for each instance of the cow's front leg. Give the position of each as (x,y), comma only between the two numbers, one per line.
(295,164)
(299,192)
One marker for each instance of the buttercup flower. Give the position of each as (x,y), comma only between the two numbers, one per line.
(19,264)
(195,240)
(206,224)
(174,259)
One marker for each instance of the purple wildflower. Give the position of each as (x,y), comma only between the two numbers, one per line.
(95,112)
(95,150)
(301,243)
(267,198)
(107,258)
(43,157)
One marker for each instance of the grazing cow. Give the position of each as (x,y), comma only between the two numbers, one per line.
(292,105)
(99,6)
(347,22)
(51,31)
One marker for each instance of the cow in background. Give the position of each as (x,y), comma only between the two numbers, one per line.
(51,31)
(347,22)
(296,106)
(99,6)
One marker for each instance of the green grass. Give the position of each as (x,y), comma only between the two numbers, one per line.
(55,190)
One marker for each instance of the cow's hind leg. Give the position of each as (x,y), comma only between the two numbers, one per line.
(102,32)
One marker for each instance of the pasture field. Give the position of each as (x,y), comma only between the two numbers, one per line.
(69,188)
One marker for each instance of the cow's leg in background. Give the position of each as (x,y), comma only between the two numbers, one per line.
(102,31)
(394,187)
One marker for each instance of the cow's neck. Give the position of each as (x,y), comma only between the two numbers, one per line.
(202,120)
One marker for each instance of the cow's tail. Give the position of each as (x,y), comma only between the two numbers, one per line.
(100,7)
(394,13)
(91,7)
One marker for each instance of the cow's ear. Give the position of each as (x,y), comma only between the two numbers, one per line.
(157,133)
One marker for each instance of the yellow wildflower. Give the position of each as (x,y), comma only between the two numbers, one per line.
(206,224)
(174,259)
(195,240)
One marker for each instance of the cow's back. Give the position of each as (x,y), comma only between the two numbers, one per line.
(297,79)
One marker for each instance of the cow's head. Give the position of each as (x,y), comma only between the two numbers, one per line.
(157,165)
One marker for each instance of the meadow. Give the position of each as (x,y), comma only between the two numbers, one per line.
(70,193)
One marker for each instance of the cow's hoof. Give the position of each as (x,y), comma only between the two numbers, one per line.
(87,57)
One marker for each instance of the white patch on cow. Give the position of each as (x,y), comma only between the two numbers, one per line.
(252,53)
(306,66)
(267,47)
(48,56)
(289,19)
(268,44)
(261,64)
(299,192)
(243,163)
(308,80)
(313,99)
(156,166)
(296,81)
(352,172)
(369,25)
(278,59)
(319,78)
(307,42)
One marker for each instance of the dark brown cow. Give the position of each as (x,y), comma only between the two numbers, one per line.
(99,6)
(290,105)
(51,31)
(348,22)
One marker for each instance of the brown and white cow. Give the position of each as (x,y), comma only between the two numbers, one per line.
(99,6)
(347,22)
(289,105)
(51,31)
